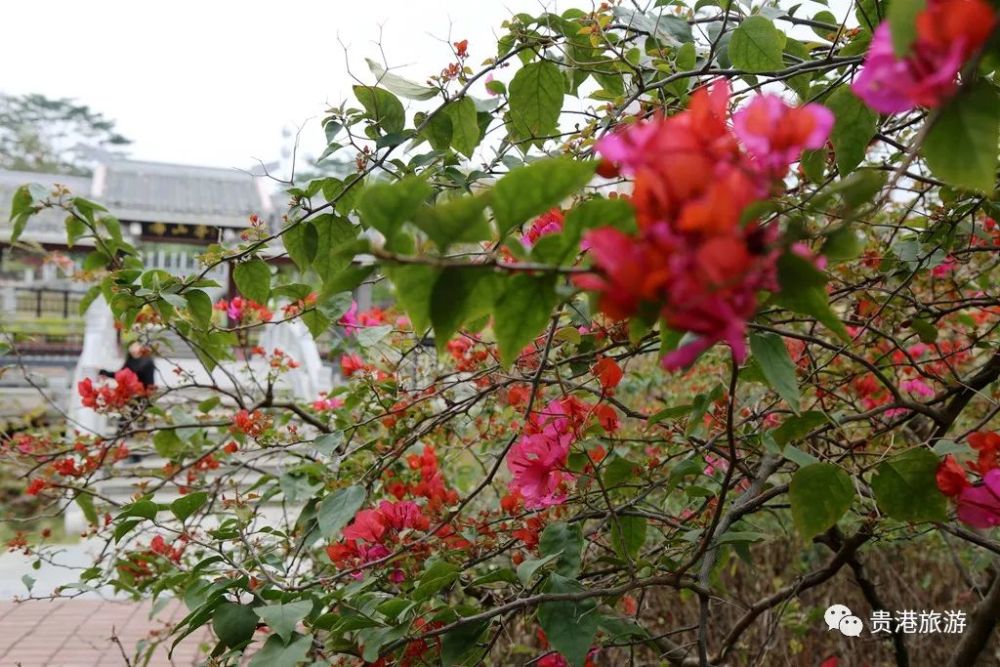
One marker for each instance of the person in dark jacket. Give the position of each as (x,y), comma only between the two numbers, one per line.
(139,361)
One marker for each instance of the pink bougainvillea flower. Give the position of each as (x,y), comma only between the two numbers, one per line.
(352,320)
(948,33)
(893,85)
(550,222)
(979,506)
(536,463)
(916,386)
(944,269)
(775,134)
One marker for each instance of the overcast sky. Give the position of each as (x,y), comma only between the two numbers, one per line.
(214,82)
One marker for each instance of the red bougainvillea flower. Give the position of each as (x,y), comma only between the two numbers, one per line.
(688,168)
(979,506)
(775,134)
(948,33)
(241,309)
(692,259)
(325,403)
(631,273)
(368,526)
(36,486)
(951,478)
(608,373)
(252,424)
(550,222)
(979,503)
(988,446)
(403,514)
(106,396)
(351,364)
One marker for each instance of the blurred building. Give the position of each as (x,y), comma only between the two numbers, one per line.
(171,213)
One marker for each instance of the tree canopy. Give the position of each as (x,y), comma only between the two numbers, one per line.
(38,133)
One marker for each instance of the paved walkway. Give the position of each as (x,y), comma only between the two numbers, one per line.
(77,633)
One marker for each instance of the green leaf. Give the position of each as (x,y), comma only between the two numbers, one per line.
(903,24)
(464,125)
(521,312)
(459,220)
(628,534)
(569,625)
(437,130)
(399,85)
(527,569)
(334,239)
(671,30)
(533,189)
(566,541)
(301,241)
(386,206)
(461,641)
(234,624)
(75,230)
(927,332)
(168,444)
(756,46)
(253,279)
(797,427)
(20,211)
(437,576)
(414,284)
(275,653)
(803,291)
(772,356)
(842,244)
(208,404)
(345,280)
(146,509)
(200,306)
(905,487)
(337,509)
(853,128)
(460,294)
(594,213)
(282,618)
(86,503)
(382,107)
(961,147)
(536,97)
(187,505)
(820,494)
(618,471)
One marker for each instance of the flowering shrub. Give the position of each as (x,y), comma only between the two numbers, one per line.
(668,290)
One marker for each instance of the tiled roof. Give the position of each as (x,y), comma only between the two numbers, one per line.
(179,193)
(48,226)
(146,192)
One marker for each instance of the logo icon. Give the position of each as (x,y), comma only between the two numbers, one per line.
(839,617)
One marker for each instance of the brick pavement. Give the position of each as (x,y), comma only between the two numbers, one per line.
(77,633)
